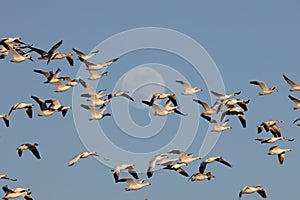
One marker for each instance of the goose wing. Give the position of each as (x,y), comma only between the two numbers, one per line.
(70,60)
(295,100)
(242,119)
(35,152)
(202,103)
(74,159)
(261,84)
(185,84)
(29,111)
(221,160)
(41,103)
(202,167)
(289,81)
(54,47)
(281,158)
(273,147)
(5,119)
(132,172)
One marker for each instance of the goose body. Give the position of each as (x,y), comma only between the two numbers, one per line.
(217,127)
(26,106)
(59,55)
(31,147)
(272,139)
(96,114)
(188,90)
(16,192)
(276,150)
(223,97)
(84,56)
(200,177)
(83,155)
(134,185)
(95,76)
(210,160)
(120,93)
(178,168)
(265,89)
(251,189)
(50,76)
(184,157)
(60,87)
(94,66)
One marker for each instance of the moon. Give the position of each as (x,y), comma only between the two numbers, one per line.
(142,82)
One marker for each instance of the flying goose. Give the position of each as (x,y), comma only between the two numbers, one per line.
(96,114)
(133,185)
(152,164)
(251,189)
(217,127)
(26,106)
(223,97)
(188,90)
(51,78)
(210,160)
(294,86)
(94,66)
(170,96)
(46,55)
(4,176)
(200,177)
(296,101)
(17,190)
(45,111)
(17,55)
(95,76)
(232,102)
(11,194)
(59,55)
(120,93)
(84,56)
(60,87)
(56,106)
(265,89)
(70,82)
(167,161)
(270,125)
(276,150)
(83,155)
(238,111)
(178,168)
(5,119)
(12,39)
(31,147)
(272,139)
(184,157)
(129,167)
(165,110)
(207,109)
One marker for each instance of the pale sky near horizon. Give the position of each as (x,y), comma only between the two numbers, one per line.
(247,40)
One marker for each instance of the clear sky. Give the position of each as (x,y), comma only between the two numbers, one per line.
(247,40)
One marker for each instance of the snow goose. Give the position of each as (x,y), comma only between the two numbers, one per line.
(95,76)
(294,86)
(26,106)
(170,96)
(207,109)
(96,114)
(263,86)
(84,56)
(217,127)
(70,82)
(188,90)
(238,111)
(83,155)
(5,119)
(31,147)
(251,189)
(129,167)
(51,78)
(184,157)
(4,176)
(165,110)
(276,150)
(272,139)
(56,106)
(12,39)
(46,55)
(223,97)
(17,55)
(45,111)
(134,185)
(120,93)
(15,193)
(152,164)
(178,168)
(232,102)
(270,125)
(296,101)
(59,55)
(60,87)
(210,160)
(94,66)
(201,177)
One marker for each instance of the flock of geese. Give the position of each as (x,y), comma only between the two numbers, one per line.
(175,160)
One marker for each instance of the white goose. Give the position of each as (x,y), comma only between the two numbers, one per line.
(270,125)
(188,90)
(132,185)
(207,109)
(83,155)
(26,106)
(251,189)
(31,147)
(178,168)
(56,106)
(94,66)
(273,139)
(60,87)
(276,150)
(4,176)
(184,157)
(152,164)
(170,96)
(217,127)
(165,110)
(51,78)
(96,114)
(84,56)
(263,86)
(120,93)
(59,55)
(5,119)
(46,55)
(15,193)
(201,177)
(129,167)
(17,57)
(210,160)
(223,97)
(294,86)
(296,101)
(95,76)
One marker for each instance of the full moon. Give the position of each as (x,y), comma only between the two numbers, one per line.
(142,82)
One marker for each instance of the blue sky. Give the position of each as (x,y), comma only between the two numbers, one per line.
(247,40)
